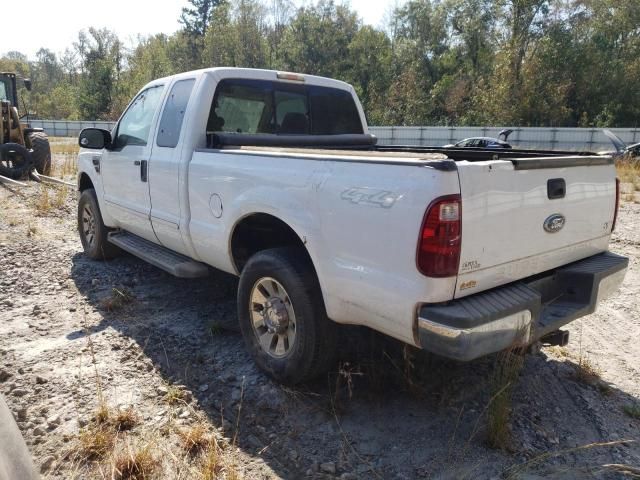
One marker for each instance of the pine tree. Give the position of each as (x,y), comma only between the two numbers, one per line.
(196,18)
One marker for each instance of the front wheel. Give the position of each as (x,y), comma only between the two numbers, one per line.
(92,230)
(282,316)
(41,152)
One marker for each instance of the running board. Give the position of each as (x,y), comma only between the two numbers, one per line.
(168,260)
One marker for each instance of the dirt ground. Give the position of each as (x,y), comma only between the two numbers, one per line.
(77,334)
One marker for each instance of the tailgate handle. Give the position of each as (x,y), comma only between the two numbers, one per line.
(556,188)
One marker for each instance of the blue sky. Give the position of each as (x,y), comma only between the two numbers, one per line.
(57,23)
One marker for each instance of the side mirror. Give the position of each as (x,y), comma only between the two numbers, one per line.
(27,84)
(94,138)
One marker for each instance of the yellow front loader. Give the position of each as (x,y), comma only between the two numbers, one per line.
(22,148)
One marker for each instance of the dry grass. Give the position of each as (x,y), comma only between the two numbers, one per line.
(62,145)
(43,202)
(119,298)
(135,463)
(586,372)
(60,197)
(94,443)
(505,375)
(64,155)
(632,410)
(213,464)
(102,414)
(125,419)
(174,395)
(32,230)
(561,352)
(65,167)
(196,438)
(629,172)
(519,471)
(232,473)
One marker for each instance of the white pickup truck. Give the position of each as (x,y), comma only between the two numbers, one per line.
(274,177)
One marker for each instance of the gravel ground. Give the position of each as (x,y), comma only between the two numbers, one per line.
(76,334)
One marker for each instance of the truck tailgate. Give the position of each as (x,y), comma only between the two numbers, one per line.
(523,217)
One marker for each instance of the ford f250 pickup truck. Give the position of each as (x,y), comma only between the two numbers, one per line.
(274,177)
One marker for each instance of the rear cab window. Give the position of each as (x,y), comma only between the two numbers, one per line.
(173,113)
(270,107)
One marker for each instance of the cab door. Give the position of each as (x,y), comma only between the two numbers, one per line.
(125,165)
(165,167)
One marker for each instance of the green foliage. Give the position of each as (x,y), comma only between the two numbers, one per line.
(435,62)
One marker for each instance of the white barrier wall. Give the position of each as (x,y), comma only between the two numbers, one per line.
(526,137)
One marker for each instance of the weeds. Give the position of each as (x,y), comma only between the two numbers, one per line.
(32,230)
(135,464)
(43,202)
(118,299)
(213,465)
(61,197)
(47,201)
(628,171)
(232,473)
(586,372)
(517,471)
(125,419)
(508,366)
(175,395)
(69,165)
(346,372)
(632,410)
(216,329)
(94,443)
(103,414)
(61,146)
(196,438)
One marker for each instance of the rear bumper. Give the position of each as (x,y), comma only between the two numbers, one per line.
(520,312)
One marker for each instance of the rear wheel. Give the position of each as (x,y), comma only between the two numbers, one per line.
(92,230)
(282,316)
(41,154)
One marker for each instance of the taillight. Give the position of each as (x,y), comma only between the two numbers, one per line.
(440,238)
(615,212)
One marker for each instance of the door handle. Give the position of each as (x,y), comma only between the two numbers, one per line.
(143,170)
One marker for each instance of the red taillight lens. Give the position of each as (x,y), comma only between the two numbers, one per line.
(440,238)
(615,212)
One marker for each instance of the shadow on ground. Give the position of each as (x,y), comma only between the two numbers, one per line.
(384,412)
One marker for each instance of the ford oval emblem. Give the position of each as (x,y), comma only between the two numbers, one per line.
(554,223)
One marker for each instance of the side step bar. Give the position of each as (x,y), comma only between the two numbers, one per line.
(169,261)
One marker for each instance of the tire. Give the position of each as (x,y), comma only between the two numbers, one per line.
(278,287)
(15,161)
(41,152)
(92,230)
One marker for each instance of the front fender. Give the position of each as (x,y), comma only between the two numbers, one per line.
(89,162)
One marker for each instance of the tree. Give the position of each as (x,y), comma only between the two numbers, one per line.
(317,39)
(197,17)
(101,62)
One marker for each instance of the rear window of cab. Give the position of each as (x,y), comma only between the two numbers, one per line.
(262,106)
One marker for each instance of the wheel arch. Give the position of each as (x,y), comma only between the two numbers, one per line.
(84,182)
(258,231)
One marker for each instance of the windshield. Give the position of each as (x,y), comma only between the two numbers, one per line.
(5,88)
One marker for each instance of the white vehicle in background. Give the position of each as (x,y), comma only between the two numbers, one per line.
(275,178)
